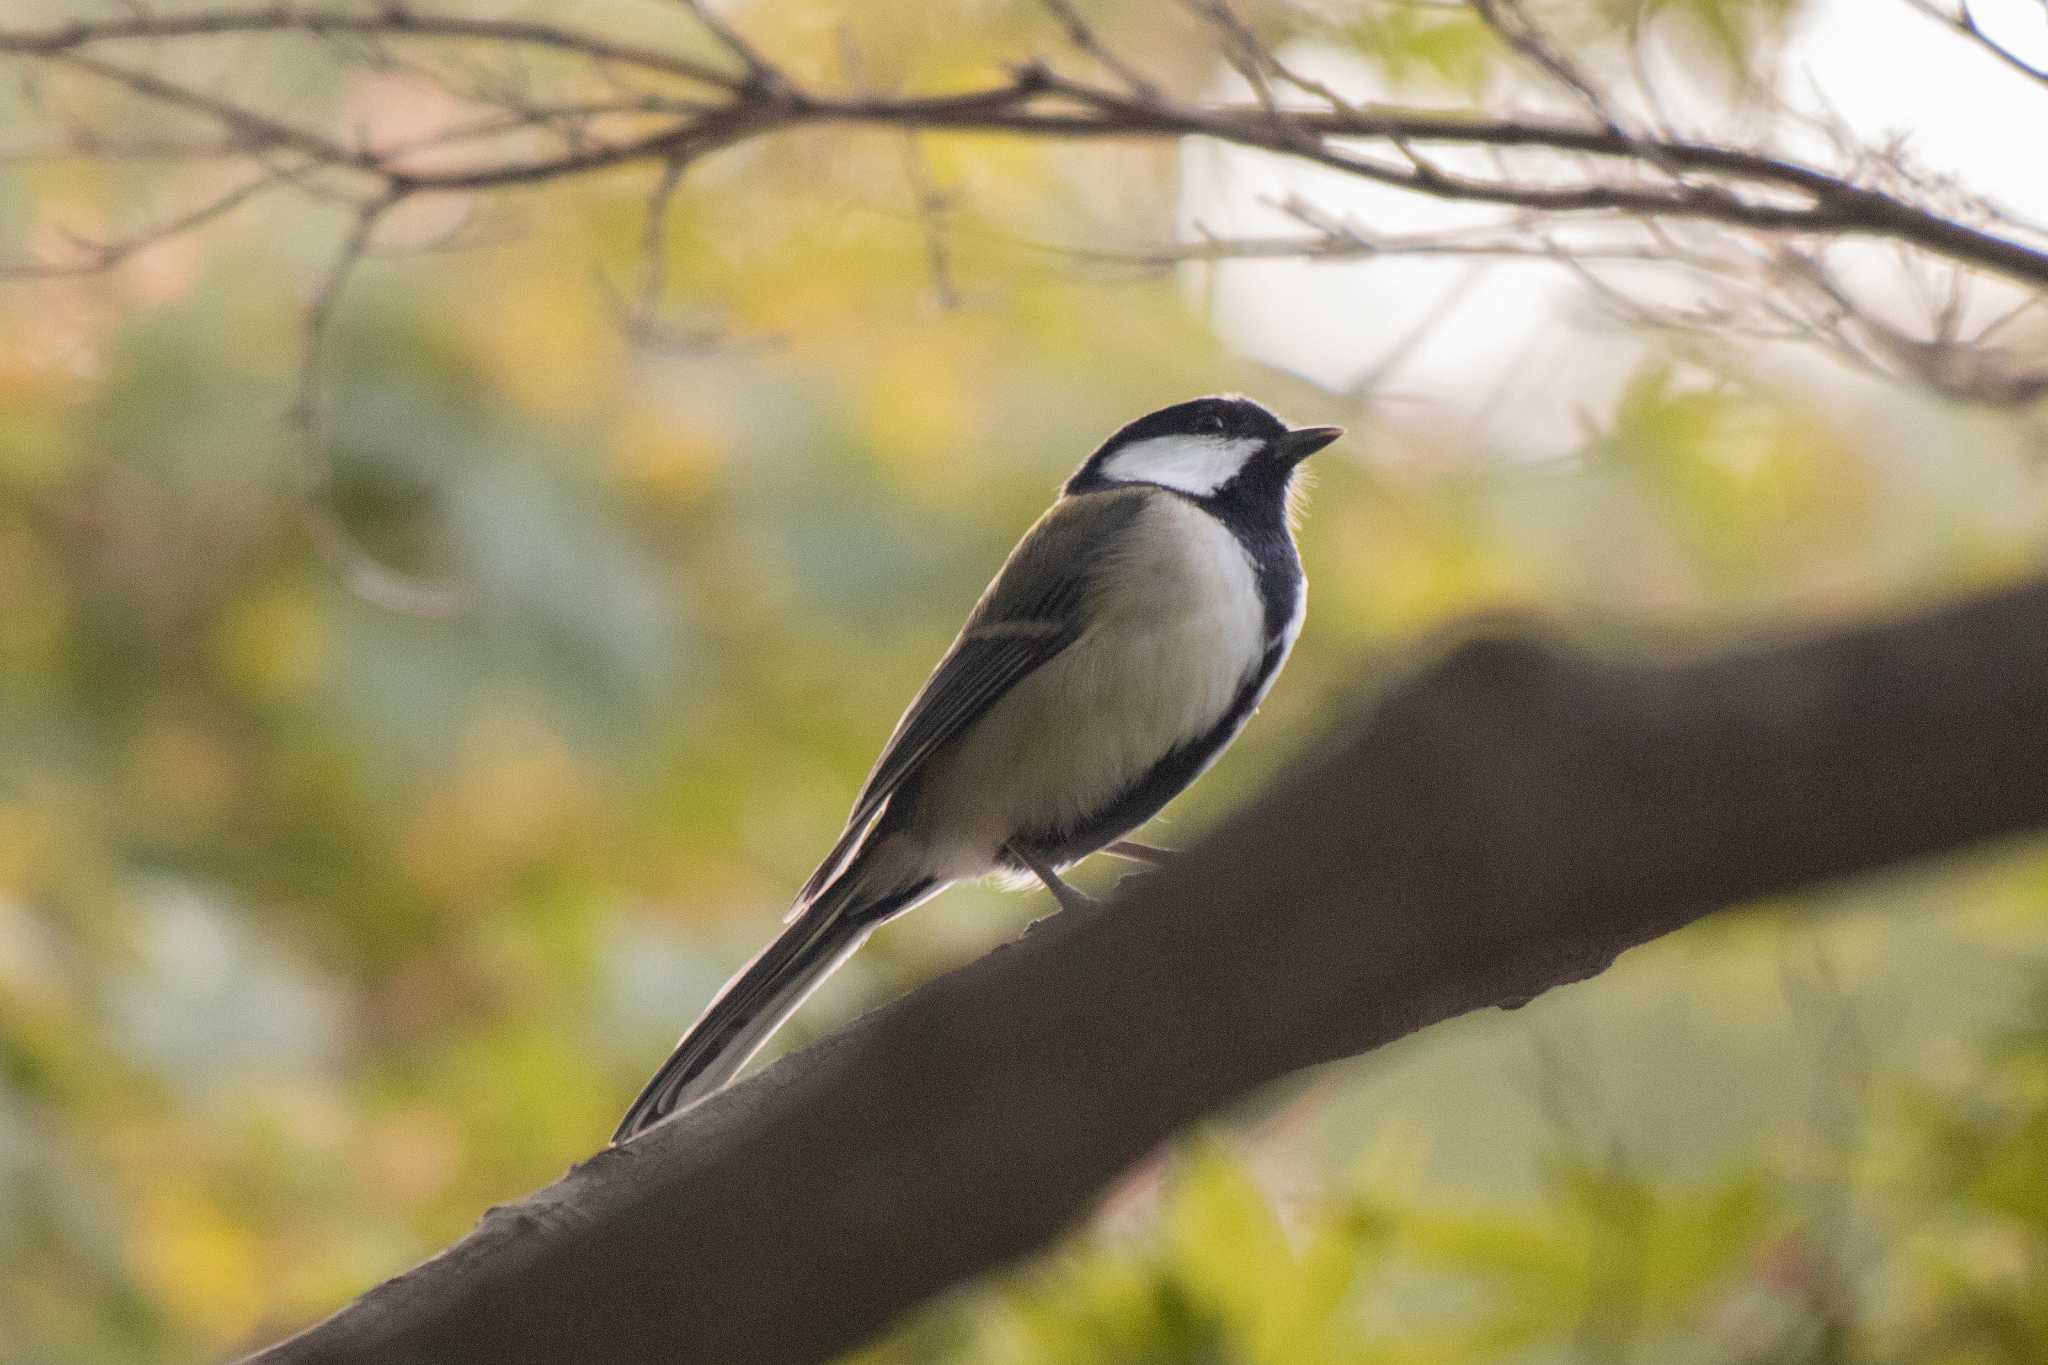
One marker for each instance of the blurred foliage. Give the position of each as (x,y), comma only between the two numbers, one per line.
(1925,1239)
(322,928)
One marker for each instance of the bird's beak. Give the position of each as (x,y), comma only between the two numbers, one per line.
(1302,442)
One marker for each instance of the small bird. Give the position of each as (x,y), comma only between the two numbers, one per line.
(1126,641)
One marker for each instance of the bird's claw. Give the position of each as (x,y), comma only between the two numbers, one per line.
(1070,897)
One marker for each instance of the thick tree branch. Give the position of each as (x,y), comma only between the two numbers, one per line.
(1507,818)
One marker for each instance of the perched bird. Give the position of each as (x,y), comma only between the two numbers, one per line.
(1124,644)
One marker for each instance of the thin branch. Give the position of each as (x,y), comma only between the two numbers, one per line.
(359,570)
(682,140)
(390,22)
(256,129)
(2033,303)
(99,256)
(1332,240)
(1085,41)
(1963,21)
(1942,363)
(1637,47)
(1520,34)
(654,240)
(1372,380)
(932,206)
(84,144)
(761,73)
(1244,52)
(642,320)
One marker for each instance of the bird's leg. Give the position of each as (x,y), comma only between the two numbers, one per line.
(1069,897)
(1141,853)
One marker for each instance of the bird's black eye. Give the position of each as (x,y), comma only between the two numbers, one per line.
(1211,425)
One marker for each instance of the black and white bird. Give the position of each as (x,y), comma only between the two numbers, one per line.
(1126,641)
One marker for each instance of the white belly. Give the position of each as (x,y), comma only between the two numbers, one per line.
(1170,649)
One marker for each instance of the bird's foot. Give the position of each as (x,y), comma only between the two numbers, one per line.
(1069,897)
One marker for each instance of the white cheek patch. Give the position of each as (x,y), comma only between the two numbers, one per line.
(1195,465)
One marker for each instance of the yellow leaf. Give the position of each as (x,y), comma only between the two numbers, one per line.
(205,1268)
(273,645)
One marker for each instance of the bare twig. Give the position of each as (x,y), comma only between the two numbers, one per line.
(932,205)
(1085,40)
(1373,379)
(1963,20)
(643,322)
(256,129)
(1520,34)
(362,572)
(389,22)
(98,256)
(1943,362)
(1243,50)
(1519,31)
(761,73)
(84,144)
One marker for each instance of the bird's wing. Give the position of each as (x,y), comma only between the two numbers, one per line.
(1036,607)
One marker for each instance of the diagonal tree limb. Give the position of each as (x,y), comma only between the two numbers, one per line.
(1508,817)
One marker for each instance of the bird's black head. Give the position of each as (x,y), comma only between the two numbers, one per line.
(1223,448)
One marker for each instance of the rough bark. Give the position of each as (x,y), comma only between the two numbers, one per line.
(1508,816)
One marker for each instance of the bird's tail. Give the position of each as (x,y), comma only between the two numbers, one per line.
(760,996)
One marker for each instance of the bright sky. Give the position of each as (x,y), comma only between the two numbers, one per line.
(1514,354)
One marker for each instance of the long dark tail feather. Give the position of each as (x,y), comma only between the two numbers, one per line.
(764,993)
(842,853)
